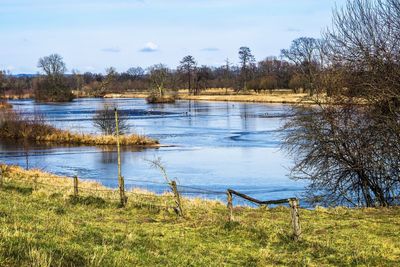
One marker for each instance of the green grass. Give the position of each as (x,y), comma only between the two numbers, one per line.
(41,226)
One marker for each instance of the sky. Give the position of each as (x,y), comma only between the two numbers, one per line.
(92,35)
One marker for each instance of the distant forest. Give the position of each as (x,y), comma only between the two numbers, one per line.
(297,68)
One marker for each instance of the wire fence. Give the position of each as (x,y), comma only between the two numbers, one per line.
(170,194)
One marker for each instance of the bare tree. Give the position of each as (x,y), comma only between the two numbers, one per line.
(135,73)
(305,54)
(109,82)
(104,120)
(202,76)
(2,83)
(77,80)
(158,75)
(54,86)
(53,65)
(349,147)
(343,155)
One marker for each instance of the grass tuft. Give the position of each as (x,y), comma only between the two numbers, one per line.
(87,201)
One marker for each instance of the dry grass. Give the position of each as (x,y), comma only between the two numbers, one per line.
(46,183)
(5,105)
(220,94)
(13,126)
(18,174)
(259,98)
(65,137)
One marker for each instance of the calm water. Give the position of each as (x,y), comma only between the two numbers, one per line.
(217,146)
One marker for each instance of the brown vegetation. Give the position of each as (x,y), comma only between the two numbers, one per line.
(13,126)
(154,99)
(5,105)
(226,95)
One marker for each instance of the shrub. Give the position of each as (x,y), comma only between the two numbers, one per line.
(104,120)
(156,99)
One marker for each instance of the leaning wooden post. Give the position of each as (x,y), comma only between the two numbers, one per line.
(76,186)
(121,183)
(230,205)
(294,212)
(178,208)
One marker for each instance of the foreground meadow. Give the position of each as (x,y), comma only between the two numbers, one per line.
(42,224)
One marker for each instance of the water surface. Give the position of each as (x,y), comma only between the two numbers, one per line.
(217,145)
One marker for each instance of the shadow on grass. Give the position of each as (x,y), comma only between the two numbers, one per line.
(18,189)
(3,214)
(88,201)
(229,226)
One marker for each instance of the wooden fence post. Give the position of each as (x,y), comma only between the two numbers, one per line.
(1,176)
(76,186)
(178,208)
(294,212)
(121,182)
(230,205)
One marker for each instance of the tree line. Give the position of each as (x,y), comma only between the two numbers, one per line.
(296,68)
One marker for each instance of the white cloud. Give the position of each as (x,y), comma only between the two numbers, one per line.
(149,47)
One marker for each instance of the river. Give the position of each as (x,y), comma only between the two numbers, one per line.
(214,146)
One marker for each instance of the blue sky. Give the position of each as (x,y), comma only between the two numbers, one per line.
(94,34)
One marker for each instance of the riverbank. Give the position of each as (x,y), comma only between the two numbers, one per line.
(282,96)
(41,225)
(222,95)
(4,105)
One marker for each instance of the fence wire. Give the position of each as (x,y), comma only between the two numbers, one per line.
(142,192)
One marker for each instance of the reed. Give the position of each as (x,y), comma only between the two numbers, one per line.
(14,126)
(66,137)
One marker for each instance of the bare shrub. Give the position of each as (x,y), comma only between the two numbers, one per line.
(348,147)
(104,120)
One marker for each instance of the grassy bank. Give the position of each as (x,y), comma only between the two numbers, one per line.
(41,225)
(15,127)
(278,96)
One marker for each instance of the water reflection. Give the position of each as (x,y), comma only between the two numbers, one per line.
(109,154)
